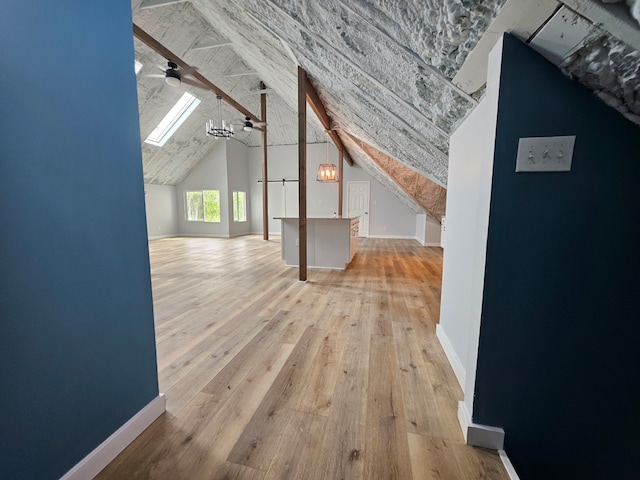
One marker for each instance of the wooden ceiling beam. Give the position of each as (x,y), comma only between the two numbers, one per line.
(318,107)
(152,43)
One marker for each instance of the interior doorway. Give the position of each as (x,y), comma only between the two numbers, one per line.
(358,204)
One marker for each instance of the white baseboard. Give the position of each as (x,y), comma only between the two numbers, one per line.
(104,453)
(479,435)
(455,362)
(427,244)
(202,235)
(158,237)
(277,234)
(508,466)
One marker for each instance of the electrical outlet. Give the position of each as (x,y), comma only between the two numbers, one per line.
(545,154)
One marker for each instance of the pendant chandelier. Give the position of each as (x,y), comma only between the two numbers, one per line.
(327,172)
(221,130)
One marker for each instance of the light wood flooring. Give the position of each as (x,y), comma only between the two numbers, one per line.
(266,377)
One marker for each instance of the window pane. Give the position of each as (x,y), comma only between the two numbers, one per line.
(235,206)
(172,120)
(239,207)
(242,207)
(211,205)
(194,206)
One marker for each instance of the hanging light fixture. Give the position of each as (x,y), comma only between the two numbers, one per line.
(327,172)
(220,131)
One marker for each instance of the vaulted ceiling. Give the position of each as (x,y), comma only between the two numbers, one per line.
(397,77)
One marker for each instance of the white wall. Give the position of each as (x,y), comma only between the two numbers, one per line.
(209,174)
(238,180)
(389,217)
(433,235)
(468,197)
(427,231)
(162,213)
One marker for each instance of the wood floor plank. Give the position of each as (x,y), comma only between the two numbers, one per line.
(258,443)
(441,459)
(316,392)
(343,444)
(208,450)
(427,412)
(387,449)
(266,377)
(297,448)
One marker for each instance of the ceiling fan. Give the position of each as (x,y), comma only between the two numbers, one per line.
(248,125)
(175,77)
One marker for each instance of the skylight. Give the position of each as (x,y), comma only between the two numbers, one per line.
(138,66)
(173,120)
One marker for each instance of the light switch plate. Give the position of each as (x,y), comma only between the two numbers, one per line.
(545,154)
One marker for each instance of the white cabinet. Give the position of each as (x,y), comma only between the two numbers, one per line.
(331,242)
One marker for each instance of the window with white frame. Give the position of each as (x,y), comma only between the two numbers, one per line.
(172,120)
(239,206)
(202,205)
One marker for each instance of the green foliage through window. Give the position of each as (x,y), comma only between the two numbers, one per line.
(211,205)
(239,207)
(203,206)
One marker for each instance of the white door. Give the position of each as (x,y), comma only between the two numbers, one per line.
(358,205)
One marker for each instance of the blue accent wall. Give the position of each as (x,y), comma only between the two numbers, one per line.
(558,356)
(77,348)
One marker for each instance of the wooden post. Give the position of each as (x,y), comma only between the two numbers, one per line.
(302,172)
(265,185)
(340,170)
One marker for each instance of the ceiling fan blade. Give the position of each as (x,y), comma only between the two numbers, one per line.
(193,83)
(187,70)
(259,124)
(154,75)
(161,67)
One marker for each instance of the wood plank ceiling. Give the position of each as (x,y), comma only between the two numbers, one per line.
(397,77)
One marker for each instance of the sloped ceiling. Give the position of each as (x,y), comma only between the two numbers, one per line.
(388,72)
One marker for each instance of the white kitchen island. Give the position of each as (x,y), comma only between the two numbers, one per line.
(331,242)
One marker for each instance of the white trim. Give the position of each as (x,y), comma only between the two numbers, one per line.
(430,244)
(479,435)
(454,361)
(158,237)
(508,466)
(104,453)
(212,235)
(203,235)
